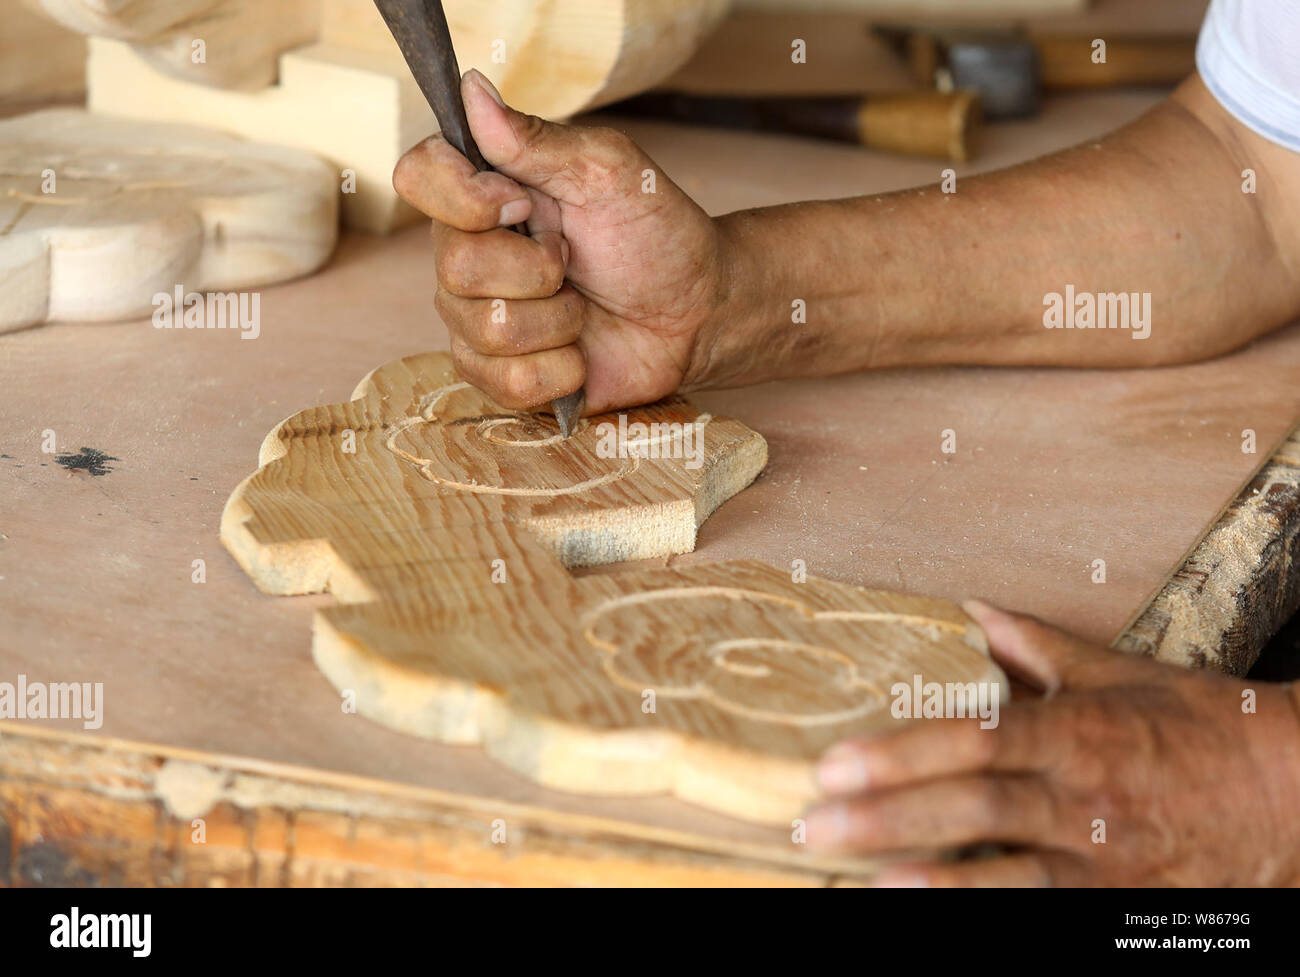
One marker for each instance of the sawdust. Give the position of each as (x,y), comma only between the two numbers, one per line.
(1191,621)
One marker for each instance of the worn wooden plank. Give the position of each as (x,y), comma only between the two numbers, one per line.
(76,811)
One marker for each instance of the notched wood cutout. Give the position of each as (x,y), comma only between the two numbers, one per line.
(445,525)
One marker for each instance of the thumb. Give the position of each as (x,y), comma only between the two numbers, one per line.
(1044,656)
(531,150)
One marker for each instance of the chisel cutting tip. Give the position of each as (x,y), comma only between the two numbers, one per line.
(567,409)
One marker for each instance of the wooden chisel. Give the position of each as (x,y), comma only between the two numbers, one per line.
(420,29)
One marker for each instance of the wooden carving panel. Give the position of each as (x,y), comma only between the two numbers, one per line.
(99,215)
(445,525)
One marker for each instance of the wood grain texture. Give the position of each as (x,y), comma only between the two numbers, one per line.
(348,96)
(855,485)
(446,534)
(40,60)
(354,108)
(138,209)
(551,59)
(1240,583)
(79,811)
(241,39)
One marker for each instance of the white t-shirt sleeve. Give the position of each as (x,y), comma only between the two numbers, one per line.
(1249,58)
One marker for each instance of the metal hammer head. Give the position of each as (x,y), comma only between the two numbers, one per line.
(1003,70)
(1002,66)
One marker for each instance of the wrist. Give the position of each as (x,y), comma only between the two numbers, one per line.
(729,344)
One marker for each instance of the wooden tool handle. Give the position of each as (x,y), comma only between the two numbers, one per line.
(1066,62)
(916,123)
(420,29)
(945,125)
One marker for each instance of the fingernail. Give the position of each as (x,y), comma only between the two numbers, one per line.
(899,879)
(985,614)
(840,773)
(828,826)
(514,212)
(564,252)
(482,80)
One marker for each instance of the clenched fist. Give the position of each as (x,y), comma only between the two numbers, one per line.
(612,285)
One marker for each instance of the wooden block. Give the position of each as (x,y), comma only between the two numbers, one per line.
(224,43)
(101,215)
(358,110)
(447,524)
(39,60)
(554,59)
(129,21)
(350,97)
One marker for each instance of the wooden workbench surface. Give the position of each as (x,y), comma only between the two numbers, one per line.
(1054,469)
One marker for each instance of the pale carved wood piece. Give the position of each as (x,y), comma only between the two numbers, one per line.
(40,61)
(241,39)
(138,209)
(349,97)
(720,684)
(554,58)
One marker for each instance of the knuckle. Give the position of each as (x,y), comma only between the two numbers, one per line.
(573,313)
(521,381)
(495,332)
(989,803)
(550,272)
(410,170)
(529,129)
(455,266)
(866,821)
(985,744)
(404,176)
(474,206)
(609,157)
(452,312)
(466,364)
(612,145)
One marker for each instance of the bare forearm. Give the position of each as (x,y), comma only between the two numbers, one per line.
(925,277)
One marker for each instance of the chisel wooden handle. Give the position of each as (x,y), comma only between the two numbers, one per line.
(420,29)
(944,125)
(1066,62)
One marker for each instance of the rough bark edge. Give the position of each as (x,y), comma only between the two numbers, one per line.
(1238,586)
